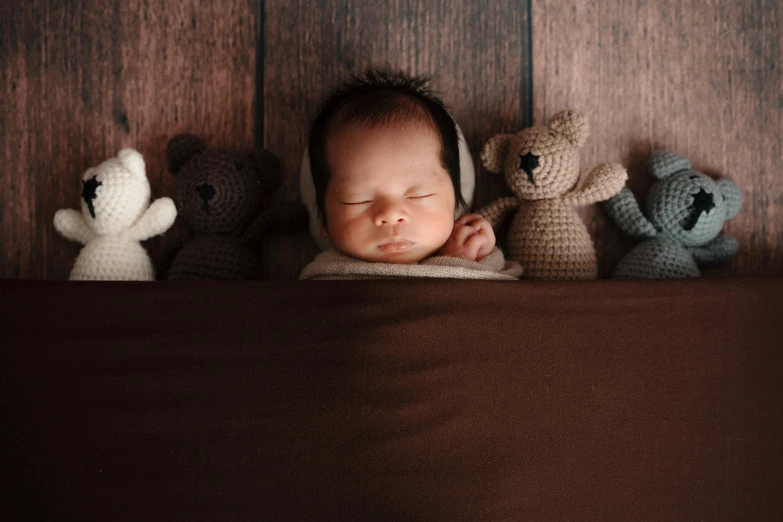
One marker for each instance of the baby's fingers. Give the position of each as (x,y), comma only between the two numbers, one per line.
(485,250)
(463,233)
(485,229)
(474,245)
(489,244)
(468,219)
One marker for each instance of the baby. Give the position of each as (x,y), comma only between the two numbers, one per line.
(384,157)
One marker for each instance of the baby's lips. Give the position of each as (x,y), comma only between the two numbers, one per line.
(395,246)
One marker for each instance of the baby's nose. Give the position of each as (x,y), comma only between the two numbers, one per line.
(390,213)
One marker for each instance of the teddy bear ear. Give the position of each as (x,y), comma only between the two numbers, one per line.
(268,168)
(494,153)
(664,164)
(266,161)
(732,194)
(133,161)
(181,148)
(573,125)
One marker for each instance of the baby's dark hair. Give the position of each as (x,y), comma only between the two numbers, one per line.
(376,97)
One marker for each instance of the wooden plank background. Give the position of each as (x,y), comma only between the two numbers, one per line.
(700,78)
(81,79)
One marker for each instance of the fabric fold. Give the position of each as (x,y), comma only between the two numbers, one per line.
(333,265)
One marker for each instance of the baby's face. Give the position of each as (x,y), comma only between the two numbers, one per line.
(389,199)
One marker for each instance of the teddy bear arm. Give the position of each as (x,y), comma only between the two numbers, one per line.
(71,225)
(156,220)
(603,182)
(624,210)
(720,249)
(286,217)
(497,210)
(263,223)
(292,217)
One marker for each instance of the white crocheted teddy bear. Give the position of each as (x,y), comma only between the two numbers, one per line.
(116,215)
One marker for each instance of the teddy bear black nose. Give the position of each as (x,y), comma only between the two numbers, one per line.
(528,163)
(89,192)
(702,203)
(206,192)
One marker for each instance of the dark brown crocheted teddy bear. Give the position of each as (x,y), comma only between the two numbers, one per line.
(227,199)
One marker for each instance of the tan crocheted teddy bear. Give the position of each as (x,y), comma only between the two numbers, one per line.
(541,165)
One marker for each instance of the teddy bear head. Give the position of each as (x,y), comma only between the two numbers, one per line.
(686,205)
(540,162)
(115,193)
(217,191)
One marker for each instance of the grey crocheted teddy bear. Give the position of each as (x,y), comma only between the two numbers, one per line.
(685,213)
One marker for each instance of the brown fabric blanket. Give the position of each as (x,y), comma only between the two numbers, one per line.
(335,266)
(392,400)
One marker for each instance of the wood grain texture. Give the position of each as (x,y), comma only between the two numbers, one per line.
(477,54)
(702,79)
(80,80)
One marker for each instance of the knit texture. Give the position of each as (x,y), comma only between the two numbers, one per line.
(550,241)
(113,258)
(115,216)
(685,213)
(333,265)
(215,257)
(227,198)
(541,167)
(657,258)
(664,164)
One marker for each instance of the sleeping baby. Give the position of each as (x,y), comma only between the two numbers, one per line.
(384,157)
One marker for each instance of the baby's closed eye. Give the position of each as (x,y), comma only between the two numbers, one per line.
(369,201)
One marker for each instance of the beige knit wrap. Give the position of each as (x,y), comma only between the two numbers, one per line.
(333,265)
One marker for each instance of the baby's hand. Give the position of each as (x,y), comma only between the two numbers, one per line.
(472,239)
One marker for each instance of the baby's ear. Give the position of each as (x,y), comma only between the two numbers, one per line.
(664,164)
(732,194)
(133,161)
(180,149)
(573,125)
(494,153)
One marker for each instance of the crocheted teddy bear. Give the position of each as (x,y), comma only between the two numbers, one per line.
(115,216)
(226,198)
(685,213)
(541,166)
